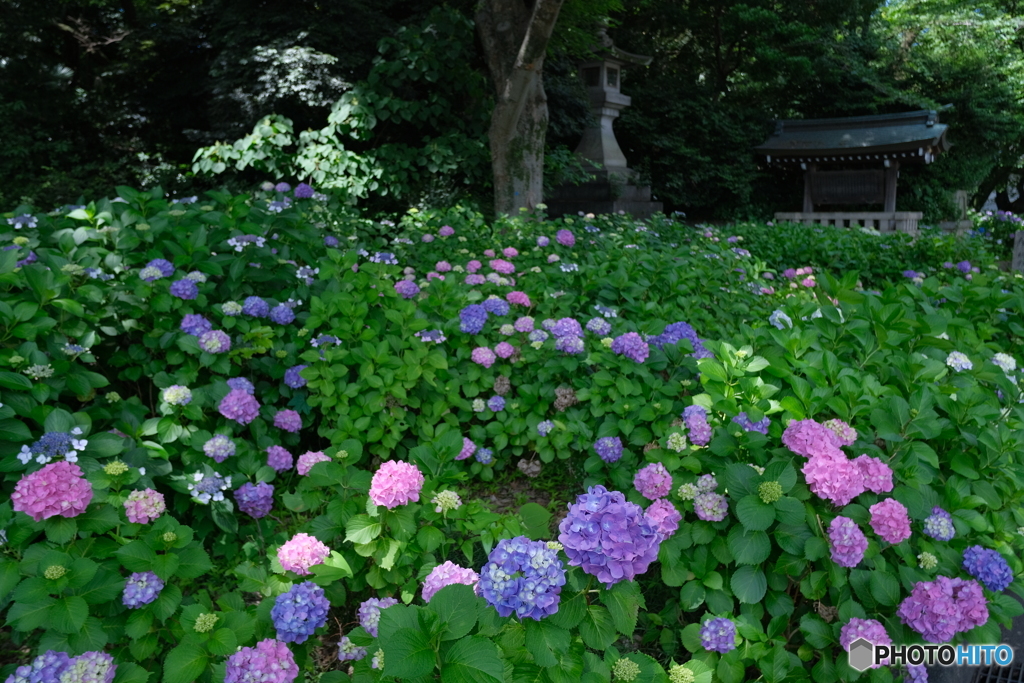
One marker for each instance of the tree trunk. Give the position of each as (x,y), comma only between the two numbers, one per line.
(515,40)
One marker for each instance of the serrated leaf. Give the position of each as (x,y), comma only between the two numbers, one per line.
(192,562)
(471,660)
(816,631)
(408,653)
(185,663)
(754,513)
(597,628)
(136,557)
(545,641)
(362,529)
(130,673)
(29,616)
(138,624)
(623,601)
(68,614)
(749,584)
(570,612)
(885,588)
(749,547)
(456,607)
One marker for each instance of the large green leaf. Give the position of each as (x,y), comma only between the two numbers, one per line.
(623,601)
(408,653)
(749,547)
(749,584)
(68,614)
(185,663)
(885,588)
(192,562)
(456,606)
(545,641)
(471,660)
(362,529)
(136,557)
(754,513)
(597,628)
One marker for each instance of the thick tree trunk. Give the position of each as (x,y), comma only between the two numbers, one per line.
(515,40)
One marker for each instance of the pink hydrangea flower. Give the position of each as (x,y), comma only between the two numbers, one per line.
(240,407)
(502,266)
(870,630)
(442,267)
(468,449)
(808,282)
(664,517)
(270,662)
(396,483)
(310,458)
(445,575)
(834,477)
(489,253)
(877,475)
(446,231)
(510,252)
(848,542)
(288,420)
(475,279)
(518,298)
(809,438)
(57,489)
(844,432)
(302,552)
(142,507)
(890,520)
(504,350)
(483,356)
(473,266)
(653,481)
(279,458)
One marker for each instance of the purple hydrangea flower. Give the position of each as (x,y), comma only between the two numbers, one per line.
(523,324)
(761,426)
(496,306)
(256,307)
(940,609)
(964,266)
(255,500)
(282,187)
(653,481)
(609,448)
(565,238)
(142,588)
(543,241)
(90,667)
(706,482)
(240,407)
(242,384)
(567,327)
(848,542)
(632,346)
(870,630)
(163,266)
(330,241)
(484,456)
(524,577)
(349,651)
(697,424)
(544,427)
(939,525)
(369,613)
(710,506)
(220,448)
(538,336)
(496,403)
(279,458)
(46,668)
(718,635)
(195,324)
(675,333)
(185,289)
(300,612)
(293,379)
(989,567)
(407,289)
(215,341)
(473,318)
(608,537)
(599,326)
(569,344)
(303,191)
(288,420)
(282,314)
(269,662)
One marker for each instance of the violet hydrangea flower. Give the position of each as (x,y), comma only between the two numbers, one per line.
(279,458)
(239,406)
(46,668)
(407,289)
(195,324)
(220,447)
(473,318)
(940,609)
(608,537)
(447,574)
(870,630)
(653,481)
(255,500)
(695,417)
(877,475)
(184,289)
(282,314)
(632,346)
(664,517)
(242,384)
(308,459)
(718,635)
(468,447)
(609,448)
(293,379)
(989,567)
(496,404)
(745,423)
(939,525)
(483,356)
(848,542)
(142,588)
(162,268)
(299,612)
(369,613)
(565,238)
(256,307)
(524,577)
(710,506)
(215,341)
(269,662)
(288,420)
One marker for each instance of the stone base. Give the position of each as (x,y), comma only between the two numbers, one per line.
(603,197)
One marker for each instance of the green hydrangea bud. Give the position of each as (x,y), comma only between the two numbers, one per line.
(770,491)
(927,561)
(625,670)
(15,360)
(680,674)
(607,342)
(1020,529)
(113,397)
(555,545)
(115,468)
(205,623)
(169,537)
(341,455)
(55,572)
(72,269)
(677,442)
(21,241)
(281,354)
(142,227)
(687,491)
(446,501)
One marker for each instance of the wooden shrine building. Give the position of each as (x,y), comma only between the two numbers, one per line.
(855,161)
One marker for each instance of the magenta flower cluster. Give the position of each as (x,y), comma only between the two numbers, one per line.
(445,575)
(829,473)
(310,458)
(653,481)
(269,662)
(239,406)
(940,609)
(890,520)
(664,517)
(57,489)
(608,537)
(848,542)
(869,629)
(396,483)
(301,552)
(142,507)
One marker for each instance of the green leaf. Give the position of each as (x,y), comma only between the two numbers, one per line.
(536,519)
(545,641)
(749,547)
(790,511)
(136,557)
(60,530)
(164,565)
(749,584)
(740,480)
(816,631)
(14,431)
(362,529)
(334,568)
(597,628)
(570,611)
(456,606)
(138,624)
(167,602)
(754,513)
(885,588)
(408,653)
(14,381)
(185,663)
(29,616)
(192,562)
(10,575)
(68,614)
(471,660)
(130,673)
(623,601)
(223,641)
(98,519)
(692,595)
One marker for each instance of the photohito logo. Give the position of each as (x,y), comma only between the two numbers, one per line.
(864,655)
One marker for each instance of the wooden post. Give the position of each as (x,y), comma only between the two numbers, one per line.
(1017,264)
(808,202)
(890,186)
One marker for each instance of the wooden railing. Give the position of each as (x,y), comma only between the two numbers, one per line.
(896,221)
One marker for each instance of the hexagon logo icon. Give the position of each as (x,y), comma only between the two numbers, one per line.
(862,654)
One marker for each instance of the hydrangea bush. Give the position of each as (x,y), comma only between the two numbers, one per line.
(219,479)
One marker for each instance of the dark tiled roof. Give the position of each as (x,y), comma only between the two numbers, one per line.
(856,135)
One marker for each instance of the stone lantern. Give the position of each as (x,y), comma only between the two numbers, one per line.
(612,190)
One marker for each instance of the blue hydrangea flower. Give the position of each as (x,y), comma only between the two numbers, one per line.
(242,384)
(989,567)
(255,500)
(195,324)
(544,427)
(567,327)
(718,635)
(300,612)
(46,668)
(496,306)
(25,220)
(293,379)
(142,588)
(939,525)
(473,318)
(385,257)
(524,577)
(609,448)
(282,314)
(599,326)
(207,487)
(220,447)
(369,613)
(256,307)
(538,336)
(760,426)
(496,403)
(569,344)
(675,333)
(484,456)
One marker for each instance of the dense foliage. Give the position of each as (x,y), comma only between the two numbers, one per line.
(262,422)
